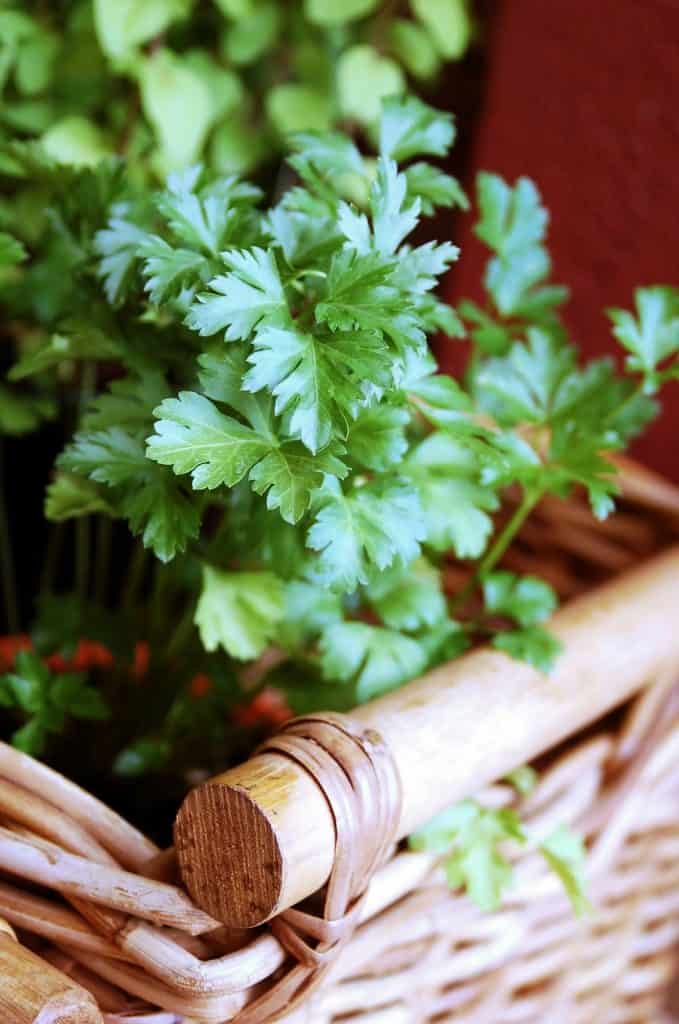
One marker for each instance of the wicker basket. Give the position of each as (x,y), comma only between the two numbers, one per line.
(407,950)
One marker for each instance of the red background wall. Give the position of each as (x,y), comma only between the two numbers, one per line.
(583,96)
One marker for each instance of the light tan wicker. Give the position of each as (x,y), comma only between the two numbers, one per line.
(123,928)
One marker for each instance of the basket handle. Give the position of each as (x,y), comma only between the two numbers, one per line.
(261,837)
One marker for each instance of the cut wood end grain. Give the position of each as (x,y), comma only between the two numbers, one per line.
(237,878)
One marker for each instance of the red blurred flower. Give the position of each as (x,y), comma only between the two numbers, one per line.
(10,647)
(268,708)
(142,657)
(200,685)
(88,654)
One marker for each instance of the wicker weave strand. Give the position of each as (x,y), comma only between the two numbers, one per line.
(359,779)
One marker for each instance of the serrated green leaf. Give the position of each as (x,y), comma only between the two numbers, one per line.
(653,335)
(371,528)
(167,270)
(532,644)
(239,611)
(319,381)
(472,836)
(376,439)
(149,498)
(193,436)
(512,219)
(525,599)
(393,216)
(69,496)
(566,855)
(119,247)
(434,188)
(237,302)
(374,659)
(409,127)
(358,293)
(408,598)
(455,503)
(289,475)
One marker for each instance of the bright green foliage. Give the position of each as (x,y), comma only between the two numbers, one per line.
(448,23)
(566,855)
(525,599)
(47,702)
(580,413)
(169,82)
(408,597)
(246,383)
(476,842)
(11,250)
(652,339)
(372,658)
(238,611)
(532,644)
(472,838)
(524,779)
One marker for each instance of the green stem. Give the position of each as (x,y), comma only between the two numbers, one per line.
(135,576)
(103,557)
(183,631)
(82,557)
(55,544)
(9,584)
(500,545)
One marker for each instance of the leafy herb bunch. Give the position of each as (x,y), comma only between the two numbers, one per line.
(277,433)
(167,82)
(260,405)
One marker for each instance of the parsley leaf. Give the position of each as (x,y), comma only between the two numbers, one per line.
(532,644)
(240,300)
(653,336)
(374,659)
(193,436)
(408,597)
(472,838)
(370,528)
(410,128)
(565,853)
(239,611)
(525,599)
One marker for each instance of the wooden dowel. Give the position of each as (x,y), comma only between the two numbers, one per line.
(260,837)
(34,992)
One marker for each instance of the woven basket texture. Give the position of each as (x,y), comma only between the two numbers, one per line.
(421,952)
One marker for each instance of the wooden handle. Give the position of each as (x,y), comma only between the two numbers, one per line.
(34,992)
(260,837)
